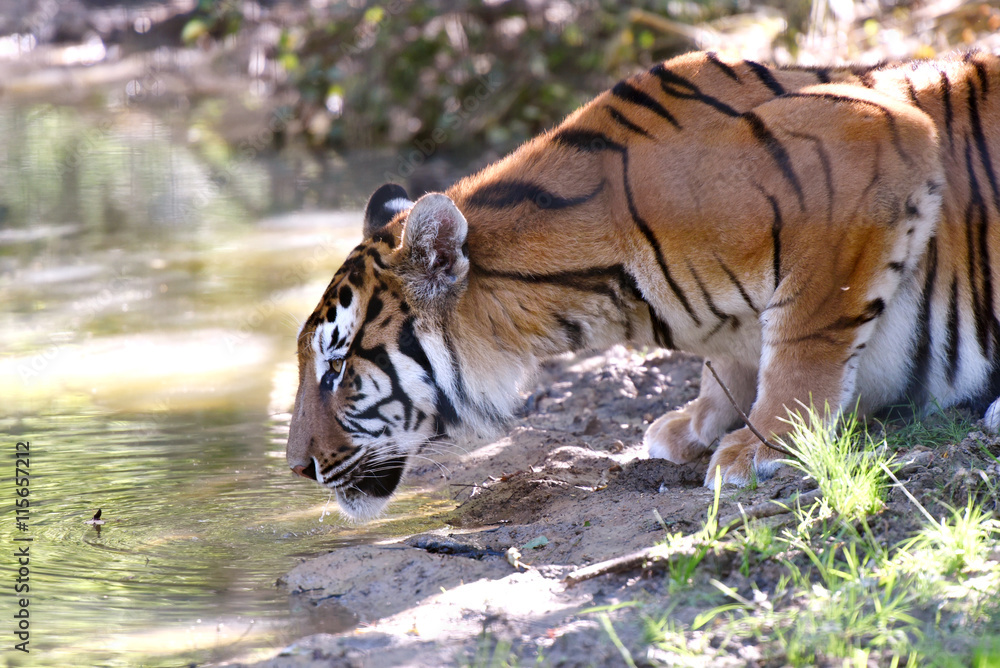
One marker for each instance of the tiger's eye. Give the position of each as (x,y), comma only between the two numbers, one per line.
(336,365)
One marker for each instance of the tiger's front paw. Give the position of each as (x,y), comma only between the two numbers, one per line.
(672,437)
(742,459)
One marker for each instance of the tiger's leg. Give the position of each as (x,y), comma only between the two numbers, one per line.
(847,241)
(685,434)
(815,328)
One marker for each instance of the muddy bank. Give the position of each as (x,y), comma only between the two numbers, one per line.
(570,486)
(570,478)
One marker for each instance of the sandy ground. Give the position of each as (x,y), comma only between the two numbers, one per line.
(573,471)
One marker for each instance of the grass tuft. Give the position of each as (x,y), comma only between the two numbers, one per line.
(845,462)
(951,545)
(820,592)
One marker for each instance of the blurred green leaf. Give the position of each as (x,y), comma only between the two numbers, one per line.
(193,29)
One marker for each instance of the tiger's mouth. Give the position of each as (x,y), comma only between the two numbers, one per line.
(364,488)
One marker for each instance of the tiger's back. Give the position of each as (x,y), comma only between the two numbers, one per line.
(820,234)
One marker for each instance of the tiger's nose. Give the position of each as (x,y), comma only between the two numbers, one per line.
(308,471)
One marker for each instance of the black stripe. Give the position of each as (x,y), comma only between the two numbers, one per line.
(890,119)
(379,356)
(873,309)
(993,325)
(736,282)
(662,334)
(975,215)
(776,225)
(376,257)
(373,311)
(834,341)
(354,429)
(593,279)
(725,69)
(385,237)
(485,409)
(597,280)
(353,451)
(777,152)
(718,327)
(627,92)
(872,183)
(619,118)
(410,346)
(982,147)
(970,59)
(707,297)
(824,160)
(897,267)
(661,330)
(951,344)
(912,92)
(679,87)
(920,373)
(505,194)
(573,331)
(589,141)
(344,296)
(821,73)
(949,115)
(651,239)
(766,77)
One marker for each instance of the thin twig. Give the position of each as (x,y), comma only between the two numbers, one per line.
(743,416)
(770,508)
(912,498)
(655,555)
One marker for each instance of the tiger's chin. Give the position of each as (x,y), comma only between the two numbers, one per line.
(360,507)
(372,485)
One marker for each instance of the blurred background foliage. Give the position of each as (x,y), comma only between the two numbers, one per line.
(466,79)
(391,73)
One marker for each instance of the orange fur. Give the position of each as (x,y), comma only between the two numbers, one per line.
(823,235)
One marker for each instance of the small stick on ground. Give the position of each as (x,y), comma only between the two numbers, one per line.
(743,416)
(652,556)
(770,508)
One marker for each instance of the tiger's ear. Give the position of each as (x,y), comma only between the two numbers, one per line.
(435,257)
(382,207)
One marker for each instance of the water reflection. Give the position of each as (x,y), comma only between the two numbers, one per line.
(148,310)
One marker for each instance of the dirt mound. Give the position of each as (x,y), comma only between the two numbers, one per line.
(568,487)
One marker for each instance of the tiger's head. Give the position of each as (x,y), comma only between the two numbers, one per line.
(376,373)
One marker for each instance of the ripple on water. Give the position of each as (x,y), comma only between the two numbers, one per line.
(201,518)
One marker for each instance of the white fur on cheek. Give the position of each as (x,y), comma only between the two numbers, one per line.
(325,346)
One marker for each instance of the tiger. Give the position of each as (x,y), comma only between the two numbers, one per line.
(822,235)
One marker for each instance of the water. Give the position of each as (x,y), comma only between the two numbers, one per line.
(148,311)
